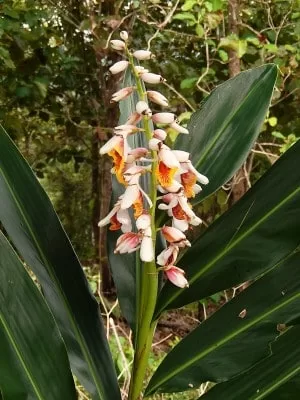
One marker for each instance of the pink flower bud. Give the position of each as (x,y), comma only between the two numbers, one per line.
(143,55)
(148,77)
(176,276)
(134,119)
(124,35)
(122,94)
(157,98)
(117,45)
(179,128)
(143,108)
(127,243)
(159,134)
(175,236)
(163,118)
(154,144)
(118,67)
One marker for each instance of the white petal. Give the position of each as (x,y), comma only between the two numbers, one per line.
(182,156)
(143,222)
(117,44)
(197,188)
(168,158)
(201,178)
(130,196)
(148,77)
(180,224)
(106,220)
(179,128)
(118,67)
(154,144)
(143,108)
(124,35)
(163,118)
(147,251)
(142,54)
(159,134)
(110,145)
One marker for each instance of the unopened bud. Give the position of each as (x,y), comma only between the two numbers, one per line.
(179,128)
(118,67)
(148,77)
(154,144)
(163,118)
(159,134)
(157,98)
(122,94)
(124,35)
(140,70)
(143,108)
(133,119)
(143,55)
(117,45)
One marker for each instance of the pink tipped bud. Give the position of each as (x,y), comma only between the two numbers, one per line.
(127,243)
(117,45)
(157,98)
(159,134)
(179,128)
(118,67)
(176,276)
(124,35)
(163,118)
(175,236)
(148,77)
(143,55)
(143,108)
(154,144)
(122,94)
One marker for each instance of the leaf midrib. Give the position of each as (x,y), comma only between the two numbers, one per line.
(231,246)
(11,338)
(225,340)
(61,293)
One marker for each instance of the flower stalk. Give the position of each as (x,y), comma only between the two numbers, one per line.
(172,174)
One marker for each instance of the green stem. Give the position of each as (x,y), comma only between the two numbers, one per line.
(148,284)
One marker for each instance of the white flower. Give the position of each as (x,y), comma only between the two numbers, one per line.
(148,77)
(118,67)
(163,118)
(168,256)
(124,35)
(175,236)
(117,45)
(143,221)
(118,218)
(142,55)
(143,108)
(157,98)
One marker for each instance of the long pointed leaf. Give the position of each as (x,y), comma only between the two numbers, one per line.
(236,336)
(32,224)
(258,231)
(34,362)
(223,131)
(276,377)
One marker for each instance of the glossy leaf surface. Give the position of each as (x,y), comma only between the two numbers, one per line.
(237,335)
(276,377)
(33,226)
(34,362)
(257,232)
(225,128)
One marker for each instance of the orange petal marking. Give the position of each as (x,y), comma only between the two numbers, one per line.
(138,207)
(179,213)
(115,224)
(119,163)
(165,175)
(188,180)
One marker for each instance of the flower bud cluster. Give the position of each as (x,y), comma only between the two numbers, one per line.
(173,173)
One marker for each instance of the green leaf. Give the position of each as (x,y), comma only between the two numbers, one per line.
(185,17)
(276,377)
(237,335)
(258,231)
(5,57)
(188,5)
(223,131)
(199,30)
(28,217)
(188,83)
(33,358)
